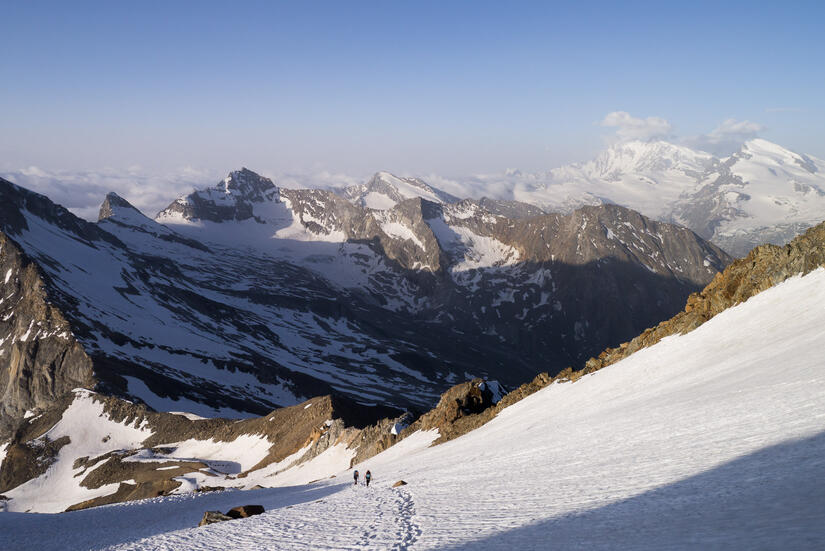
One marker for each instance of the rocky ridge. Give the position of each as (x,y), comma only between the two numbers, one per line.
(762,193)
(172,452)
(41,358)
(251,297)
(323,424)
(764,267)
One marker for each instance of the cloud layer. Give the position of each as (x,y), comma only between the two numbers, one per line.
(629,127)
(83,191)
(727,137)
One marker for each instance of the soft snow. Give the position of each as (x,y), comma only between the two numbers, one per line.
(714,439)
(378,201)
(92,434)
(232,457)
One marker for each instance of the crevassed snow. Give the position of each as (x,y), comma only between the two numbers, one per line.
(714,439)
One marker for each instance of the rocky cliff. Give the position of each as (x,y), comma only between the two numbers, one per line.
(764,267)
(40,358)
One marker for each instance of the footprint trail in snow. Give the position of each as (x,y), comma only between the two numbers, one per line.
(356,518)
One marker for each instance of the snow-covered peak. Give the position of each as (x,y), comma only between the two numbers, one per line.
(765,151)
(115,206)
(231,199)
(385,190)
(247,184)
(637,156)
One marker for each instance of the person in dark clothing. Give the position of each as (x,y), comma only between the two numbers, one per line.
(368,477)
(355,477)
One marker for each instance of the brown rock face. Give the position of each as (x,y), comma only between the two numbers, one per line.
(211,517)
(399,483)
(461,409)
(316,424)
(40,360)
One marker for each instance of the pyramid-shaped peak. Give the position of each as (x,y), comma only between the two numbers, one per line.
(113,205)
(399,188)
(247,183)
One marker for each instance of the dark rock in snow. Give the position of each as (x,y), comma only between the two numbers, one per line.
(245,511)
(211,517)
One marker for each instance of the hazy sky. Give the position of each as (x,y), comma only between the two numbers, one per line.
(441,87)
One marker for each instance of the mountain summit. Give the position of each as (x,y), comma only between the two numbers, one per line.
(249,297)
(231,199)
(763,193)
(386,190)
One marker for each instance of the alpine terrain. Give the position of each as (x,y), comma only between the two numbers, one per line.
(245,297)
(707,435)
(762,193)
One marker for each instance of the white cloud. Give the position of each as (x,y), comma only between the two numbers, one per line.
(726,138)
(629,127)
(732,128)
(82,192)
(321,179)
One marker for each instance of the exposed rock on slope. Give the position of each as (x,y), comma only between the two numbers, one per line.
(764,267)
(762,193)
(385,190)
(90,450)
(249,297)
(40,358)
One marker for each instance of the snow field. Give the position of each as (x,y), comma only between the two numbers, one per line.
(91,434)
(378,518)
(710,440)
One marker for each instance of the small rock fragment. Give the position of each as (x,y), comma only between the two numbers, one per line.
(245,511)
(211,517)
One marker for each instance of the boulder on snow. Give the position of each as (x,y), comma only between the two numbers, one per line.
(399,483)
(211,517)
(245,511)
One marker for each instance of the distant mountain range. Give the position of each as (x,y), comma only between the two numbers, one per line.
(245,296)
(763,193)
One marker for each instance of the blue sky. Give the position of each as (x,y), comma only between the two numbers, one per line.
(414,87)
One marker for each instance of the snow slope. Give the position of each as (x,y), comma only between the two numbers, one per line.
(710,440)
(386,190)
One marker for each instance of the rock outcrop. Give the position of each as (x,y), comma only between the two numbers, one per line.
(245,511)
(764,267)
(40,360)
(285,438)
(250,297)
(211,517)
